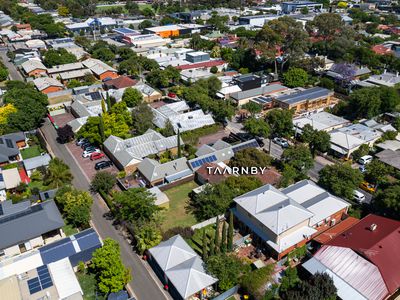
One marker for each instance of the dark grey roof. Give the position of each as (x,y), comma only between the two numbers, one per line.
(24,222)
(8,146)
(309,94)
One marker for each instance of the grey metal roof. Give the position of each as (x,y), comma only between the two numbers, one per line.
(37,161)
(220,144)
(153,170)
(24,223)
(183,267)
(390,157)
(138,147)
(309,94)
(204,149)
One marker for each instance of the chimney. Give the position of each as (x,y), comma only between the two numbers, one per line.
(384,71)
(373,227)
(397,74)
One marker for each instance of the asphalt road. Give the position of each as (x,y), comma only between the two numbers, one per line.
(143,284)
(14,74)
(276,150)
(314,171)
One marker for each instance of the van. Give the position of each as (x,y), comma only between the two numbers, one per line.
(358,196)
(366,159)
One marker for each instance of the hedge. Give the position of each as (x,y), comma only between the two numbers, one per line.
(192,136)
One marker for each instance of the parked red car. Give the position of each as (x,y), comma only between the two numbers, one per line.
(96,155)
(171,95)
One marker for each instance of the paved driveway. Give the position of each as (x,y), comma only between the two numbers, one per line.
(86,164)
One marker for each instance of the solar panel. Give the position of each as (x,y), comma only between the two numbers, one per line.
(202,161)
(34,285)
(1,210)
(242,146)
(1,177)
(89,240)
(44,277)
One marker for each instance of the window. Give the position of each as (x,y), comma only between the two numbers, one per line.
(25,247)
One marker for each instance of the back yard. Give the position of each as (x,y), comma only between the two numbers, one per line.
(176,214)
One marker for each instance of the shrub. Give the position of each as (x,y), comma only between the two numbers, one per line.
(185,232)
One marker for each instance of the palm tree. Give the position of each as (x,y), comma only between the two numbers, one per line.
(58,173)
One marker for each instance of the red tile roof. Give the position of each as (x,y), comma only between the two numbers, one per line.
(270,176)
(206,64)
(381,50)
(332,232)
(380,246)
(121,82)
(211,178)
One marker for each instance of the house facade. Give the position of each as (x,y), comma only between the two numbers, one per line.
(283,220)
(32,226)
(309,100)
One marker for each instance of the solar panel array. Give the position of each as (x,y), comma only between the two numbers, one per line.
(87,240)
(1,177)
(43,281)
(201,161)
(252,144)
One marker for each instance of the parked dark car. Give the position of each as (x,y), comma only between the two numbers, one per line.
(87,145)
(103,165)
(81,141)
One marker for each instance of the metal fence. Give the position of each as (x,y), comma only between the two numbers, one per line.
(228,293)
(207,222)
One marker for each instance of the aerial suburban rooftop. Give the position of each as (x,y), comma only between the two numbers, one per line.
(156,150)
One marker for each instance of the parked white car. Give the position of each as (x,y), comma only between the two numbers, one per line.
(358,196)
(366,159)
(87,153)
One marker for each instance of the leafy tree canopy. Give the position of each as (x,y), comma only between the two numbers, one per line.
(136,205)
(57,57)
(216,199)
(250,157)
(111,274)
(132,97)
(280,121)
(228,269)
(295,77)
(340,179)
(103,181)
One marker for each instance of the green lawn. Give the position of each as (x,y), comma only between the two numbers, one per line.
(88,285)
(176,214)
(31,152)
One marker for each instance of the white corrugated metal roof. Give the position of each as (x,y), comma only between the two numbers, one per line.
(183,267)
(357,272)
(64,278)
